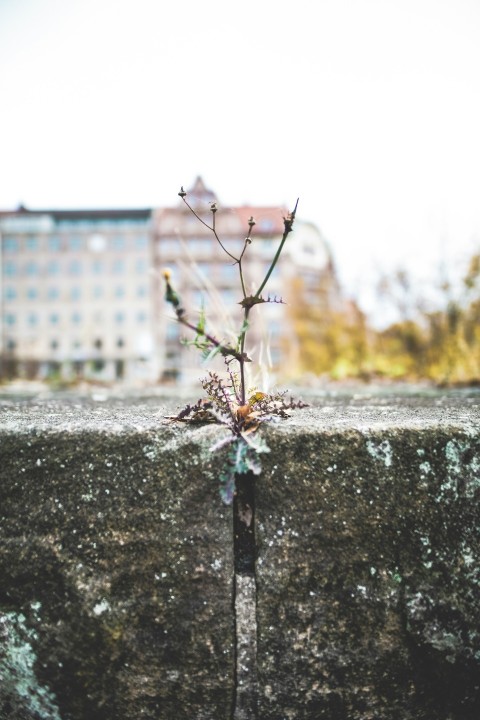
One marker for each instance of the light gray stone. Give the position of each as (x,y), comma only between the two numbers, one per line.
(117,591)
(116,551)
(368,542)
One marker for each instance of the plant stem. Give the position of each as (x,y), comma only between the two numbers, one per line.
(240,269)
(288,228)
(212,229)
(239,353)
(241,362)
(224,349)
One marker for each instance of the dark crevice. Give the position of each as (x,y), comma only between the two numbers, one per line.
(244,525)
(245,693)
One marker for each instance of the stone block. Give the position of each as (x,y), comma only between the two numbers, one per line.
(116,567)
(118,595)
(368,557)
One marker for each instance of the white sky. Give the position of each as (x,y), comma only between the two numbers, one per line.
(369,110)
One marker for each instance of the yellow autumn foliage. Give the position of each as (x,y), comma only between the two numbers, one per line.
(442,346)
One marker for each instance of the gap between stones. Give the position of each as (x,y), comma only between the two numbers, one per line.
(245,598)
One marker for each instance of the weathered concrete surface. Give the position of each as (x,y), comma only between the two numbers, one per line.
(116,567)
(368,563)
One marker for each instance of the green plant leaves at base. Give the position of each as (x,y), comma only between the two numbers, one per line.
(243,457)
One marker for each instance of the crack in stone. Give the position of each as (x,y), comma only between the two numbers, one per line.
(245,589)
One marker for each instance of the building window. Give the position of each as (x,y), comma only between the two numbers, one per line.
(53,267)
(169,246)
(32,293)
(141,316)
(229,272)
(228,296)
(275,328)
(32,319)
(141,291)
(31,243)
(118,242)
(54,319)
(10,268)
(119,317)
(266,225)
(31,268)
(97,291)
(53,293)
(204,269)
(141,266)
(10,244)
(119,291)
(141,242)
(54,244)
(97,243)
(10,319)
(10,293)
(201,246)
(173,331)
(75,293)
(75,267)
(75,243)
(76,318)
(11,345)
(120,343)
(54,344)
(97,267)
(198,299)
(118,267)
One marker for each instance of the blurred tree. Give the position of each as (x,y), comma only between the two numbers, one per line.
(441,345)
(332,338)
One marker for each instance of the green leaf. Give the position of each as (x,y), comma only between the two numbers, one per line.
(252,461)
(210,352)
(202,320)
(227,487)
(256,442)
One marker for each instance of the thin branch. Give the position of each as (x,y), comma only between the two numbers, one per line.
(288,222)
(234,384)
(223,349)
(212,229)
(240,270)
(242,355)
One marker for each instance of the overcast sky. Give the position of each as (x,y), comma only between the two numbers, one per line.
(369,110)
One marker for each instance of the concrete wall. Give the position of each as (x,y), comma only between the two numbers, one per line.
(118,593)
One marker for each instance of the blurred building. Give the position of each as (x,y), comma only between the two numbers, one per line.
(82,293)
(76,293)
(207,277)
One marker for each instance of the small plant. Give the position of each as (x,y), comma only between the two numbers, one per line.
(228,399)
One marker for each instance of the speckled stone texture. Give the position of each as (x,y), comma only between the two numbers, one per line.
(116,567)
(116,564)
(368,563)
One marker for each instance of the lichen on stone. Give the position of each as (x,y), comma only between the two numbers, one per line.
(17,668)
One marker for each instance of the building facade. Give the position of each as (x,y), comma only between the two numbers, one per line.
(82,293)
(76,294)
